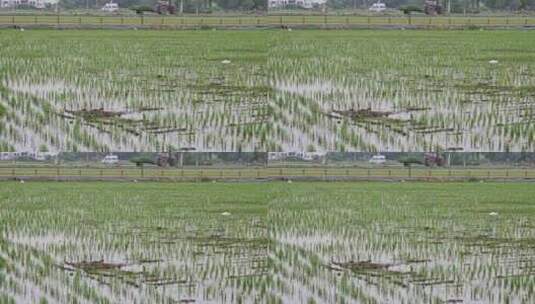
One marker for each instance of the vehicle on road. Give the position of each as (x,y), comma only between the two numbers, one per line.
(378,159)
(110,159)
(377,7)
(110,7)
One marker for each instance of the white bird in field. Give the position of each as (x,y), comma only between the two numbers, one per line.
(493,61)
(226,61)
(225,213)
(22,29)
(493,213)
(22,181)
(289,181)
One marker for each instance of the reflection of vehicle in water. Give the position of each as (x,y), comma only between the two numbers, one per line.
(110,159)
(110,7)
(377,7)
(378,159)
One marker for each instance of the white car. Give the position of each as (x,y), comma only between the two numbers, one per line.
(110,7)
(378,7)
(378,159)
(110,159)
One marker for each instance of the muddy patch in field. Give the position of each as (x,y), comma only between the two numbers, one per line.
(133,121)
(369,114)
(361,266)
(91,267)
(400,274)
(102,114)
(135,274)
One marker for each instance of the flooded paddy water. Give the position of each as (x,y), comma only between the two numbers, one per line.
(267,243)
(267,90)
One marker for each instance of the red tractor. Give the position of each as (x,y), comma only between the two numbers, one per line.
(434,159)
(432,7)
(164,7)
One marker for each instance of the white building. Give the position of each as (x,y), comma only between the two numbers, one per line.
(30,3)
(10,155)
(38,156)
(299,3)
(37,3)
(9,3)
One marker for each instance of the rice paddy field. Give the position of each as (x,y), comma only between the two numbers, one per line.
(269,90)
(266,242)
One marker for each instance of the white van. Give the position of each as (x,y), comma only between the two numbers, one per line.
(378,159)
(110,7)
(110,159)
(378,7)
